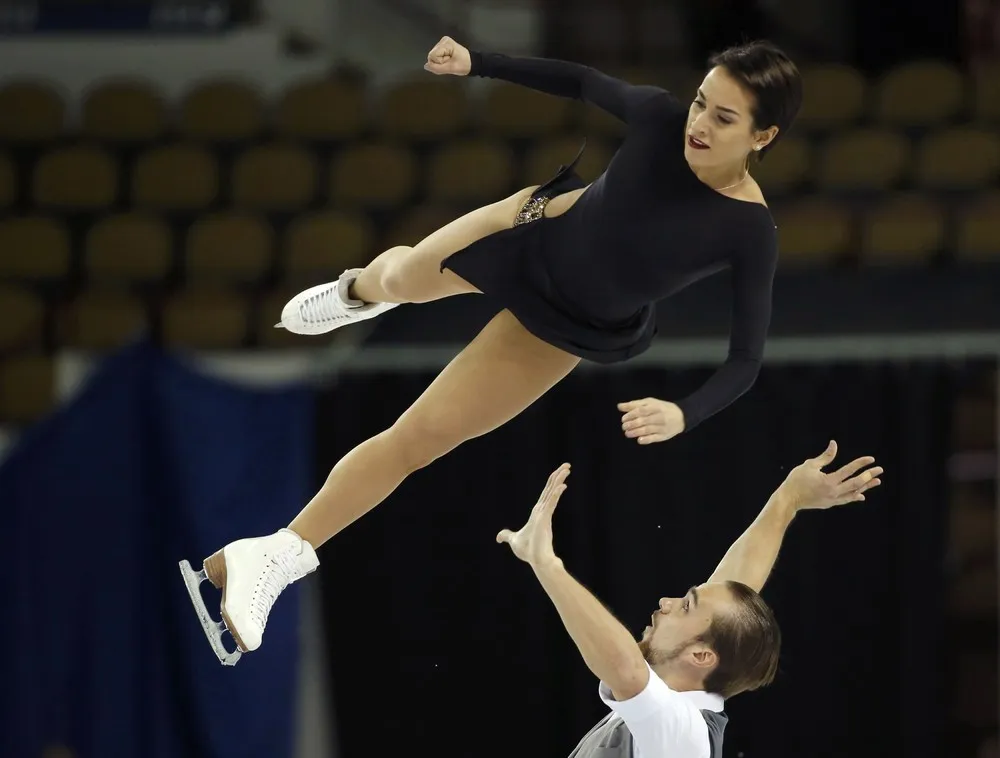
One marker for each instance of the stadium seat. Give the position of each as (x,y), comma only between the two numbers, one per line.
(34,248)
(959,158)
(907,229)
(228,248)
(322,110)
(470,171)
(430,109)
(206,318)
(978,229)
(23,322)
(834,97)
(274,177)
(318,247)
(128,247)
(100,320)
(30,112)
(785,167)
(124,111)
(373,175)
(813,231)
(78,178)
(919,94)
(518,112)
(178,177)
(27,388)
(221,112)
(865,159)
(986,93)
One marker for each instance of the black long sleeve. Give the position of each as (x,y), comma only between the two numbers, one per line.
(752,278)
(570,80)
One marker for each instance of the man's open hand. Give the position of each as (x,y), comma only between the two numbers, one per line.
(807,486)
(532,543)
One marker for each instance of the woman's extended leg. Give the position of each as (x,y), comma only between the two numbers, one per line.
(400,274)
(499,374)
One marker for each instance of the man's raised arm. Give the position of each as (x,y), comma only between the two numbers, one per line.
(751,558)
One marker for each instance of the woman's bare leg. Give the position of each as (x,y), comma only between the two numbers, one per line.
(414,275)
(501,372)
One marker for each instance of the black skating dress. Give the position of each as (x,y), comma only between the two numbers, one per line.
(587,281)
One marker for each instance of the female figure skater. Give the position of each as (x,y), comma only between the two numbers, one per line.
(578,269)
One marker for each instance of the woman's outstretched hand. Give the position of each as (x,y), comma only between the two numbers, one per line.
(449,57)
(650,420)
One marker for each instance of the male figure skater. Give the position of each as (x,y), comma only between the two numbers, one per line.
(667,691)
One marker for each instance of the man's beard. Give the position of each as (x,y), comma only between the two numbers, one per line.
(655,657)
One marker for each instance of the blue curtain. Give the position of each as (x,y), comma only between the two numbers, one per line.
(101,650)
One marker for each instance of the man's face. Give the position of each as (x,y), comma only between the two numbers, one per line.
(678,622)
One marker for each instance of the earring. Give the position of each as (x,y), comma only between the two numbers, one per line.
(756,147)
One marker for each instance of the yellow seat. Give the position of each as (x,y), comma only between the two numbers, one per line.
(320,246)
(785,167)
(863,159)
(813,231)
(8,181)
(919,93)
(30,112)
(128,247)
(23,322)
(206,319)
(978,230)
(176,177)
(834,97)
(27,388)
(33,248)
(425,109)
(958,159)
(124,111)
(75,178)
(470,171)
(229,248)
(513,111)
(274,177)
(222,111)
(374,175)
(418,223)
(986,93)
(903,230)
(322,109)
(544,157)
(101,320)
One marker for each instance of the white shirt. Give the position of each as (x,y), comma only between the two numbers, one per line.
(665,723)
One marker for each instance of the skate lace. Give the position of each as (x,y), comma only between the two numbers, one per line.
(323,307)
(278,574)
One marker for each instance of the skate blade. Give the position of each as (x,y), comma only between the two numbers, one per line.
(213,629)
(279,325)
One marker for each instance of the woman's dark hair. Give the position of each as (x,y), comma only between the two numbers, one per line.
(764,70)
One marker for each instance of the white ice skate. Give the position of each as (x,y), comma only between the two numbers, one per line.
(325,307)
(251,574)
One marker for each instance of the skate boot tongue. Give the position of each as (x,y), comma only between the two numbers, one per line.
(285,566)
(327,308)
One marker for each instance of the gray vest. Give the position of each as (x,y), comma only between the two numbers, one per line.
(610,738)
